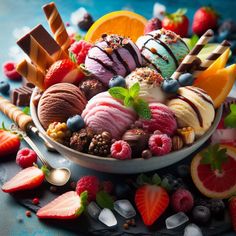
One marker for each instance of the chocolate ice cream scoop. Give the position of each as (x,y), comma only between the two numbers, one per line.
(59,102)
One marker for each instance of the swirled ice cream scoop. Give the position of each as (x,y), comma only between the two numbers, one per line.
(150,84)
(112,55)
(162,50)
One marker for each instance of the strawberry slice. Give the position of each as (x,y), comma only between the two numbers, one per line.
(28,178)
(9,143)
(67,206)
(151,201)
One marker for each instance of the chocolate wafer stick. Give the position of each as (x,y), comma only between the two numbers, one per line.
(36,52)
(31,73)
(188,60)
(219,50)
(57,26)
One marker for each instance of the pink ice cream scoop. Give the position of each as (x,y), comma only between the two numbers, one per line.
(112,55)
(104,113)
(163,119)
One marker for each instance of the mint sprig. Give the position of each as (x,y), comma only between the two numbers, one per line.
(230,120)
(104,200)
(130,98)
(214,156)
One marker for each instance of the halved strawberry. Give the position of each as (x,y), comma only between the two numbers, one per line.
(28,178)
(151,201)
(9,143)
(67,206)
(63,71)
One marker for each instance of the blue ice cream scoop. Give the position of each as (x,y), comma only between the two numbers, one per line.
(162,50)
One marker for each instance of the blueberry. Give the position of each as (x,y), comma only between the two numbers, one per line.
(186,79)
(217,208)
(75,123)
(171,183)
(4,87)
(117,81)
(201,215)
(170,86)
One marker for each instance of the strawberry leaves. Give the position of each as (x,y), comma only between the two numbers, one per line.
(130,99)
(230,120)
(214,156)
(144,179)
(84,202)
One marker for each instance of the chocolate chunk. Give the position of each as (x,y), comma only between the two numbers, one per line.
(138,141)
(21,96)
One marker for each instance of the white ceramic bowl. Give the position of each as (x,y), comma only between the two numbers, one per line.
(132,166)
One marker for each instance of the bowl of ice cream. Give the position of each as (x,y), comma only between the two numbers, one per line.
(107,164)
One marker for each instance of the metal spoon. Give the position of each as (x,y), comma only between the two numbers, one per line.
(56,176)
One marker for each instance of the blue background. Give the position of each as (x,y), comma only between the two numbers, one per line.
(15,14)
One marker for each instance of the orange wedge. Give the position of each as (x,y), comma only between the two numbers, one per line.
(217,65)
(124,23)
(219,85)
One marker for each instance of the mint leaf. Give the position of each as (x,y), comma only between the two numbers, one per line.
(214,156)
(142,108)
(104,200)
(156,179)
(230,120)
(118,92)
(193,41)
(128,101)
(134,90)
(26,110)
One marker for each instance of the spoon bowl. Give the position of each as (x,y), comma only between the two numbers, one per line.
(58,176)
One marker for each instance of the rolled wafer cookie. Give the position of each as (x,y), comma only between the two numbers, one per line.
(217,52)
(31,73)
(15,114)
(188,60)
(57,26)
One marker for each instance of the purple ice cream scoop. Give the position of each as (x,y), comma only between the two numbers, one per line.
(112,55)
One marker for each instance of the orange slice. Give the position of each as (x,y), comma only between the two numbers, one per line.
(212,183)
(124,23)
(217,65)
(219,85)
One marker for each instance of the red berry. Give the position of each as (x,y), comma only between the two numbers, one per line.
(79,50)
(28,213)
(35,201)
(121,150)
(182,200)
(107,186)
(88,183)
(160,144)
(26,157)
(204,18)
(9,70)
(153,24)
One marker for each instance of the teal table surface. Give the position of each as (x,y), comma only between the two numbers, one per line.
(16,14)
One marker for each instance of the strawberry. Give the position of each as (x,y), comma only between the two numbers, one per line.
(28,178)
(9,143)
(151,201)
(63,71)
(232,210)
(176,22)
(204,18)
(67,206)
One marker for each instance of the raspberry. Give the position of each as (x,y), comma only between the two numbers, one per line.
(121,150)
(160,144)
(26,157)
(9,69)
(182,200)
(35,201)
(153,24)
(88,183)
(107,186)
(79,50)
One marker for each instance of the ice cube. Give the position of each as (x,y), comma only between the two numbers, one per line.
(124,208)
(192,230)
(93,210)
(176,220)
(107,217)
(159,10)
(77,15)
